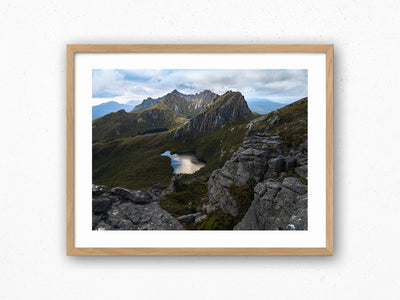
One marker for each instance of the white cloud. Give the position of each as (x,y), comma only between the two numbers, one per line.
(126,85)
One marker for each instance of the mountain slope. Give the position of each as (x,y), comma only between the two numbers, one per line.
(108,107)
(122,124)
(187,105)
(135,161)
(289,122)
(231,106)
(171,111)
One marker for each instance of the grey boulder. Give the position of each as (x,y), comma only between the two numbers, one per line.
(101,204)
(98,189)
(188,219)
(137,197)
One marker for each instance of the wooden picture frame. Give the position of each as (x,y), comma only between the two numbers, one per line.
(72,50)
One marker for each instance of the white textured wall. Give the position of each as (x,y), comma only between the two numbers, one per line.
(33,35)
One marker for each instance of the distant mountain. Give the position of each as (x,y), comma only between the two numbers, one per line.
(199,100)
(187,105)
(263,106)
(231,106)
(133,103)
(122,124)
(172,110)
(108,107)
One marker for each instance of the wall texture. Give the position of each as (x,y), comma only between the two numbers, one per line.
(33,36)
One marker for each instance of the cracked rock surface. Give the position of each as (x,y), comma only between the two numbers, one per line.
(123,209)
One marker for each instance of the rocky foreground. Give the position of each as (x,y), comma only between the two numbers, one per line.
(280,192)
(122,209)
(280,201)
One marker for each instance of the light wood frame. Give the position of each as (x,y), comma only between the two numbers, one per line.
(197,48)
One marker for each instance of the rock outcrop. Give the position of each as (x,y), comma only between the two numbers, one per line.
(274,160)
(187,106)
(247,163)
(231,106)
(98,189)
(205,95)
(277,206)
(123,209)
(189,219)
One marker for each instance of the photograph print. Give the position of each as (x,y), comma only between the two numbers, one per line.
(199,149)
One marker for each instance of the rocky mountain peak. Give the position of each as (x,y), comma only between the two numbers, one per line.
(200,100)
(228,107)
(176,93)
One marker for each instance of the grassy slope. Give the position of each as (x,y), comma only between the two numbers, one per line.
(136,162)
(122,124)
(186,197)
(214,147)
(291,117)
(291,125)
(132,162)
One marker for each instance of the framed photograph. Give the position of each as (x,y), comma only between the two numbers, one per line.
(199,150)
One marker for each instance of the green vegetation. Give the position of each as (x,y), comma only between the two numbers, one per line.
(186,197)
(132,163)
(291,123)
(256,114)
(122,124)
(214,147)
(292,116)
(243,195)
(124,156)
(291,139)
(172,112)
(136,162)
(217,220)
(304,180)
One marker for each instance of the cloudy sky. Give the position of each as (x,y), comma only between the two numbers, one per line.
(119,85)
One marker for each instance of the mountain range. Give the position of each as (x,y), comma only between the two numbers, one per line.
(257,105)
